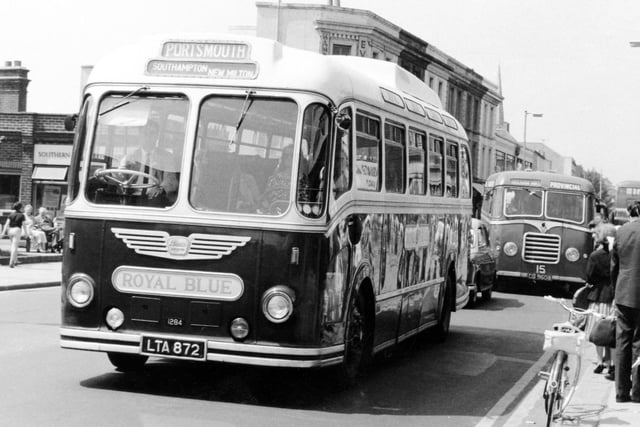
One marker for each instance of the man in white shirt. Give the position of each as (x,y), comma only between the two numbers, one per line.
(153,161)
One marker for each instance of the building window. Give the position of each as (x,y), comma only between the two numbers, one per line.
(500,158)
(510,163)
(341,49)
(9,191)
(431,82)
(440,90)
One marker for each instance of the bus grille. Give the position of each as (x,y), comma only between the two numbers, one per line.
(541,248)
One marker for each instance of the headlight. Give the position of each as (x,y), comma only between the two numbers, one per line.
(510,248)
(572,254)
(80,290)
(277,303)
(239,328)
(114,318)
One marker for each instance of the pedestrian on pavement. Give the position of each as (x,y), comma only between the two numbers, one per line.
(625,277)
(44,223)
(601,294)
(14,228)
(37,236)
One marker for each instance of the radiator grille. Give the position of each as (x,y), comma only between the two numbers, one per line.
(541,248)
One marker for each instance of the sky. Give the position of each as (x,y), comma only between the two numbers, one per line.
(569,60)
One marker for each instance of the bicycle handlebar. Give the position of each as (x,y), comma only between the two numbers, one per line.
(564,305)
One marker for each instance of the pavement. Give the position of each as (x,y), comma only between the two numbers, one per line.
(593,404)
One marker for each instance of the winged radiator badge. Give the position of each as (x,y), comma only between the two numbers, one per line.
(196,246)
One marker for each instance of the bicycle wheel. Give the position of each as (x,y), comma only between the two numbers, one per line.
(555,387)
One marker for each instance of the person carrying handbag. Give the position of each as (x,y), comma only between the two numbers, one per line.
(625,277)
(600,296)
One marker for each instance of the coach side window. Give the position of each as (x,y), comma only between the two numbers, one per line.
(452,169)
(436,165)
(465,174)
(394,158)
(367,153)
(342,157)
(417,156)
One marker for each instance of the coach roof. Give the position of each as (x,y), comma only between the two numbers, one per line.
(265,64)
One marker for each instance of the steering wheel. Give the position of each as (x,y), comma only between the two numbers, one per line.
(113,176)
(278,207)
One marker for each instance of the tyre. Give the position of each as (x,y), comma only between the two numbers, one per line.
(472,299)
(127,362)
(555,387)
(358,340)
(487,294)
(551,400)
(440,332)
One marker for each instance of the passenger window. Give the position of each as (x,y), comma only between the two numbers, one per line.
(313,159)
(342,158)
(465,174)
(452,169)
(417,155)
(367,153)
(394,158)
(436,165)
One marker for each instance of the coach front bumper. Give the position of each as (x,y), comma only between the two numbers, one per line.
(217,351)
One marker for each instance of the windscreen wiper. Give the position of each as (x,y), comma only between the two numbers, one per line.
(245,108)
(124,101)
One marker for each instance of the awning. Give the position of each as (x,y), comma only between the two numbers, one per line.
(49,173)
(478,187)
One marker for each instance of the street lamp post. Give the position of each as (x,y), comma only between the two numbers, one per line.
(524,137)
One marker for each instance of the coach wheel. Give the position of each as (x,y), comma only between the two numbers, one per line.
(440,332)
(358,339)
(127,362)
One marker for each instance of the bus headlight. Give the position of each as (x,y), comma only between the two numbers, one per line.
(239,328)
(510,248)
(80,290)
(277,303)
(114,318)
(572,254)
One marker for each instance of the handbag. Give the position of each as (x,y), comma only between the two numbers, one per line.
(603,333)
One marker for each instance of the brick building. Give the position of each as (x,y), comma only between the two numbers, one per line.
(35,150)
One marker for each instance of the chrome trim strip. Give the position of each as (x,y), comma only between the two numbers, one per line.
(100,335)
(211,345)
(91,346)
(408,289)
(195,246)
(428,325)
(386,344)
(537,224)
(553,277)
(263,361)
(266,349)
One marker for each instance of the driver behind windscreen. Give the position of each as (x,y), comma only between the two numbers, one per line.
(152,161)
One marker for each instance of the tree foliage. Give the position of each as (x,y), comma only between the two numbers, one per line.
(604,189)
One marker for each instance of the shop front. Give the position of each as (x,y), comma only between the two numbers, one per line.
(49,178)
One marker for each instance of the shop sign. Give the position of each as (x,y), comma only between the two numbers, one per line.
(52,154)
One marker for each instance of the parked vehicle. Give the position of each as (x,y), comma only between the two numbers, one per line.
(481,270)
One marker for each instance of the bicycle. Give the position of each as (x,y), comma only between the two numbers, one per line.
(569,342)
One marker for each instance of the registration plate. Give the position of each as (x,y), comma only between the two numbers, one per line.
(538,276)
(170,347)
